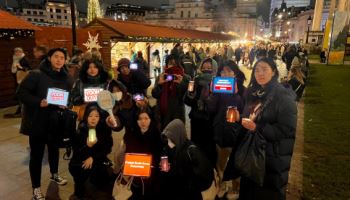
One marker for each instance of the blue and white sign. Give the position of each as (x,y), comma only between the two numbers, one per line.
(224,85)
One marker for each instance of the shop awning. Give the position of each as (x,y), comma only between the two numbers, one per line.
(140,32)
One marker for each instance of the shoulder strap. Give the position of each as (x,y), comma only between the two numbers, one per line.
(297,88)
(188,150)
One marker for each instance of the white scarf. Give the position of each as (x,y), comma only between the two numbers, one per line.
(15,61)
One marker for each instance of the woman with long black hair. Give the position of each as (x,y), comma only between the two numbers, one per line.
(269,110)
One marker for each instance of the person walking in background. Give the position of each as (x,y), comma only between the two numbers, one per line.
(289,55)
(238,54)
(188,65)
(40,53)
(323,56)
(20,68)
(142,65)
(296,78)
(156,63)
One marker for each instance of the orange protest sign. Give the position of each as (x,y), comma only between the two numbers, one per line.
(137,165)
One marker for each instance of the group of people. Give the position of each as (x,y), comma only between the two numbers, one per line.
(198,160)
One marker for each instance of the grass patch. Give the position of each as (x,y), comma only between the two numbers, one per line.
(314,56)
(327,134)
(317,57)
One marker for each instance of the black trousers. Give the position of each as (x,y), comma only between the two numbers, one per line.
(251,191)
(37,147)
(202,135)
(99,175)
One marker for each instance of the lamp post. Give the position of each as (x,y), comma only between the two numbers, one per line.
(309,20)
(73,18)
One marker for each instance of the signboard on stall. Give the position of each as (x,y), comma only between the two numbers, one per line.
(57,97)
(137,165)
(223,85)
(90,94)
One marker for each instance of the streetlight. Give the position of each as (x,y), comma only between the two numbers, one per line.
(73,18)
(309,20)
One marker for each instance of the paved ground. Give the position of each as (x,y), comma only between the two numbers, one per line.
(14,151)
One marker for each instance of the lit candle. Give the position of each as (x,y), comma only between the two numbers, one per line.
(92,135)
(231,114)
(190,86)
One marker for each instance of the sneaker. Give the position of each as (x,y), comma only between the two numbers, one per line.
(37,195)
(59,180)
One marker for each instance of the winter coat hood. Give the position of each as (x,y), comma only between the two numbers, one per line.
(45,66)
(176,132)
(213,64)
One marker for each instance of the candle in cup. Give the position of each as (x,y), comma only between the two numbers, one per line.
(231,114)
(92,135)
(190,86)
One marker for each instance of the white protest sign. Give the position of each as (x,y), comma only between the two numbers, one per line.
(90,94)
(57,96)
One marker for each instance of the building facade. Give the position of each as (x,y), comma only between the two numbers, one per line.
(290,3)
(48,13)
(128,12)
(205,15)
(290,24)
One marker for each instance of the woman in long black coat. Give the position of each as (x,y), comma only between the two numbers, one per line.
(270,109)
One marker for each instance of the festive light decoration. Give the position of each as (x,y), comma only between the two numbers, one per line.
(174,40)
(15,33)
(92,42)
(94,10)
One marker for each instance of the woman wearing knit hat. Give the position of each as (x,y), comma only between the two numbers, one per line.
(135,81)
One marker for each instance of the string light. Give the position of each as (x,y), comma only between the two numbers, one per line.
(174,40)
(14,33)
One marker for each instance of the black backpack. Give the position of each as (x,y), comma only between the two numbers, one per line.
(203,172)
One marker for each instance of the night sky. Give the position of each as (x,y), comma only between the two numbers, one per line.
(263,7)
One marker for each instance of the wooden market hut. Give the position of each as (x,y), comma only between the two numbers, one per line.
(112,31)
(14,32)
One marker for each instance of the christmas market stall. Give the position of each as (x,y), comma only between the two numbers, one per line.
(14,32)
(120,39)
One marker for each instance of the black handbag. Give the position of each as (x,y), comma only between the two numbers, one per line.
(250,157)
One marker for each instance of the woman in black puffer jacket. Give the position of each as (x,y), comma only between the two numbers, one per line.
(270,109)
